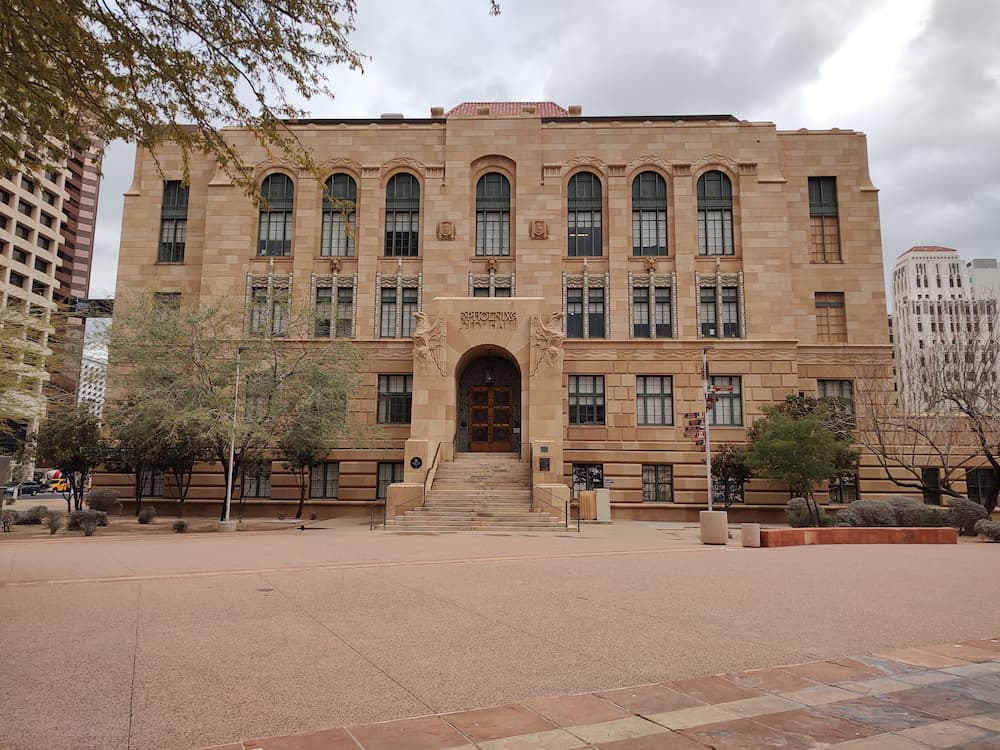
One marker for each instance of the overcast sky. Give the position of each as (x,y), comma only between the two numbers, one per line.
(920,77)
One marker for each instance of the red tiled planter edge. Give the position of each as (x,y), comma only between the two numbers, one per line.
(857,535)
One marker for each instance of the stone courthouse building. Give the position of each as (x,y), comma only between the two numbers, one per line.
(529,281)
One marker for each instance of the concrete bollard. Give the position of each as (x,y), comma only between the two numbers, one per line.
(750,534)
(714,526)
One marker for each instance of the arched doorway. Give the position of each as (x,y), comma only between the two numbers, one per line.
(489,403)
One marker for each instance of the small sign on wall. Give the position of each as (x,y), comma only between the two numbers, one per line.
(544,464)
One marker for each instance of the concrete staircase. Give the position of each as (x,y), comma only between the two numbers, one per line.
(478,492)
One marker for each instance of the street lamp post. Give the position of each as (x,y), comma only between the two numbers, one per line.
(708,441)
(714,523)
(232,439)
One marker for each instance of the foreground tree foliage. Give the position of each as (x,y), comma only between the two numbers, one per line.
(70,440)
(180,366)
(153,73)
(801,442)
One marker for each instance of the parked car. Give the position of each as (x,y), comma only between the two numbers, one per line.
(25,488)
(59,485)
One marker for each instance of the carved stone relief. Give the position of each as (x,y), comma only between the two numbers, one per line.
(538,230)
(429,341)
(547,342)
(446,230)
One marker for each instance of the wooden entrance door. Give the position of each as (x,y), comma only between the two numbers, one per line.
(491,423)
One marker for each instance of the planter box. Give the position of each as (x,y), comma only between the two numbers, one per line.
(857,535)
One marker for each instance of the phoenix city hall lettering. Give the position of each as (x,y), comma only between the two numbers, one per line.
(480,319)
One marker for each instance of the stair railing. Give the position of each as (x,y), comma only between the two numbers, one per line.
(430,473)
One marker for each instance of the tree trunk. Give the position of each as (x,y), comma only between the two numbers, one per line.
(302,493)
(990,501)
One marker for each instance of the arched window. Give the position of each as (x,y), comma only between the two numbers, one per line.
(338,216)
(402,215)
(274,236)
(649,214)
(715,214)
(493,215)
(583,215)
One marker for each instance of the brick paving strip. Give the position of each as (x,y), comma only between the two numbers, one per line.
(944,696)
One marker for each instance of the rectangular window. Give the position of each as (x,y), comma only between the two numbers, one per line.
(410,305)
(707,312)
(258,310)
(43,242)
(931,479)
(46,221)
(586,399)
(501,291)
(324,480)
(19,255)
(481,291)
(730,313)
(728,408)
(664,329)
(980,483)
(844,489)
(842,393)
(587,477)
(17,279)
(654,400)
(337,235)
(345,312)
(823,219)
(25,208)
(152,484)
(42,265)
(388,473)
(49,197)
(322,326)
(574,313)
(657,483)
(257,486)
(831,318)
(173,222)
(640,312)
(395,398)
(22,231)
(387,319)
(715,231)
(595,313)
(4,197)
(37,287)
(279,312)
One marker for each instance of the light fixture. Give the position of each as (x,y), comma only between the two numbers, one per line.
(488,376)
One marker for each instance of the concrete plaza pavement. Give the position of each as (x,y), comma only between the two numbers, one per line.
(187,641)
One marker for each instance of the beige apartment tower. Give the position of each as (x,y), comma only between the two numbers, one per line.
(527,281)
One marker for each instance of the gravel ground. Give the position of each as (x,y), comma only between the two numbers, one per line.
(185,641)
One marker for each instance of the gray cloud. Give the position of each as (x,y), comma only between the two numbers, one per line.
(933,134)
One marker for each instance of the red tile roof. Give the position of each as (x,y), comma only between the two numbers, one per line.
(929,249)
(508,109)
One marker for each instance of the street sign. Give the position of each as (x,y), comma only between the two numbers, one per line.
(692,415)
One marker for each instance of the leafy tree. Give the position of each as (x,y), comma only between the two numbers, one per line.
(304,449)
(189,357)
(730,471)
(795,443)
(71,441)
(152,73)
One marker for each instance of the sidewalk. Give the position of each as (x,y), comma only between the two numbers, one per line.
(944,696)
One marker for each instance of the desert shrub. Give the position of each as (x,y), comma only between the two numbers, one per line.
(907,511)
(74,520)
(797,513)
(54,521)
(989,529)
(103,500)
(32,516)
(935,517)
(86,521)
(180,526)
(867,513)
(964,514)
(147,514)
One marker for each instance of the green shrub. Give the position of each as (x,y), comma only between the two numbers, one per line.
(74,520)
(907,511)
(54,522)
(964,514)
(989,529)
(797,513)
(103,500)
(147,514)
(180,526)
(935,517)
(867,513)
(32,516)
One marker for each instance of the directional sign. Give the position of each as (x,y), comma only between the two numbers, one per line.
(692,415)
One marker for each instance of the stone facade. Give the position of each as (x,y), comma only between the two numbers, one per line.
(742,273)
